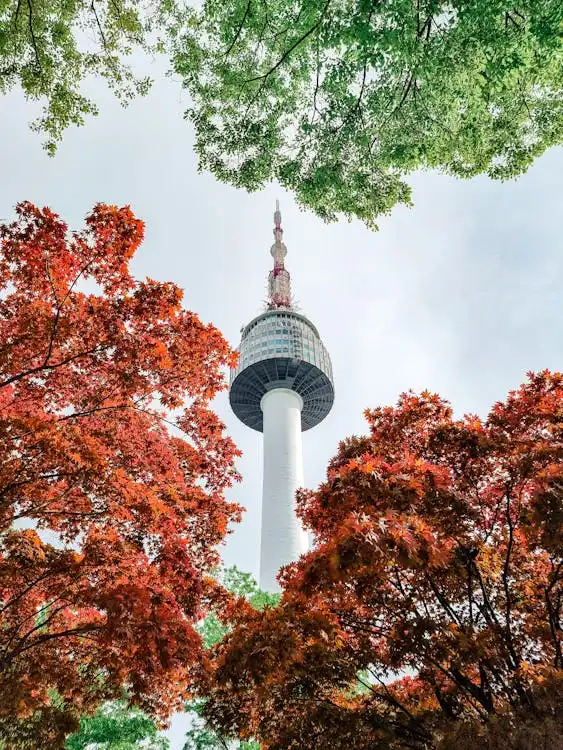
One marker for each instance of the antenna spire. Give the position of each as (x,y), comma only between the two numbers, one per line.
(279,281)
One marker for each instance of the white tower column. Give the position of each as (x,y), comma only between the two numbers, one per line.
(283,539)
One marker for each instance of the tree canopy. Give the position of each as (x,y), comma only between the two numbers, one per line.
(50,47)
(117,726)
(104,585)
(428,616)
(339,100)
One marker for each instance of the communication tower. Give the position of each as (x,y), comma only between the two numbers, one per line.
(281,386)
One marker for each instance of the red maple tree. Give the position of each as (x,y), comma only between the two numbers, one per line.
(429,613)
(109,522)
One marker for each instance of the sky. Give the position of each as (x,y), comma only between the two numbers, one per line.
(460,294)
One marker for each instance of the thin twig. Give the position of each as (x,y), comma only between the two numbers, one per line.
(288,52)
(239,30)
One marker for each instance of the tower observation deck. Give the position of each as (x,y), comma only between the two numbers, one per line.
(281,386)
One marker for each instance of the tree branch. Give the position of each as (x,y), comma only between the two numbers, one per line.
(60,305)
(288,52)
(72,632)
(32,33)
(238,32)
(505,573)
(63,362)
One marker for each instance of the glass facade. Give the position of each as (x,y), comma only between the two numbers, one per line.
(282,333)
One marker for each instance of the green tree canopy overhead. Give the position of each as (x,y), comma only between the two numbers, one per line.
(338,100)
(49,47)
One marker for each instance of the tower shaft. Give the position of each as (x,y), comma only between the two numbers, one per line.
(282,539)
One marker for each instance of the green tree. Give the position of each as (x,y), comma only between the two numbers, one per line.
(339,100)
(116,726)
(201,737)
(213,630)
(49,47)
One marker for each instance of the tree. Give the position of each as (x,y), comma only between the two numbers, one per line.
(436,587)
(339,100)
(104,588)
(50,47)
(214,628)
(116,726)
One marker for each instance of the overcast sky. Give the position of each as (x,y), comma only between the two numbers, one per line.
(460,294)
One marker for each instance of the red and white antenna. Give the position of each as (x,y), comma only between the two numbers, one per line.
(279,281)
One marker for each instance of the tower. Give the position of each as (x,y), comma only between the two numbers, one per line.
(281,386)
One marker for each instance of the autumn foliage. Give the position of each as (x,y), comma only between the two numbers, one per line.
(109,516)
(429,614)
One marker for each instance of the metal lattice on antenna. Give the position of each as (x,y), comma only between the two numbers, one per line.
(279,280)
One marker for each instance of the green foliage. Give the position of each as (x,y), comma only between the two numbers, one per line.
(338,100)
(200,737)
(213,630)
(49,47)
(116,726)
(243,584)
